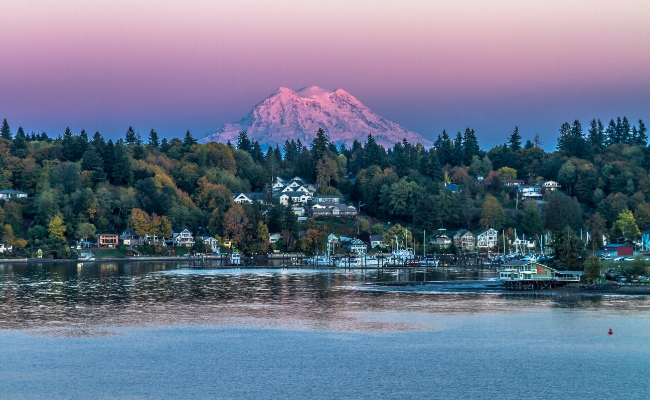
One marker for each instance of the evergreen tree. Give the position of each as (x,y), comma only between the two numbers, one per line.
(373,153)
(596,135)
(568,250)
(430,166)
(532,223)
(19,145)
(243,142)
(514,142)
(165,146)
(188,142)
(67,145)
(153,139)
(290,151)
(277,154)
(642,136)
(612,133)
(5,130)
(130,137)
(121,171)
(470,146)
(93,161)
(444,146)
(626,129)
(320,146)
(256,152)
(457,150)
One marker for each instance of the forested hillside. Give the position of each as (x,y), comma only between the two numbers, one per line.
(80,184)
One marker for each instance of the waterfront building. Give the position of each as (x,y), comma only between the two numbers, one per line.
(464,240)
(182,237)
(108,240)
(487,238)
(356,246)
(531,275)
(376,241)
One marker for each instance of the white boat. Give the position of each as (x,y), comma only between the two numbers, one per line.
(319,259)
(360,261)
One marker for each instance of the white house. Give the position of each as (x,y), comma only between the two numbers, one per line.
(248,197)
(320,199)
(525,242)
(296,197)
(182,237)
(7,194)
(5,249)
(356,246)
(274,237)
(376,241)
(530,192)
(487,238)
(551,185)
(441,240)
(210,241)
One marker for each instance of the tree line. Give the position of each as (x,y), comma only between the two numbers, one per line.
(81,184)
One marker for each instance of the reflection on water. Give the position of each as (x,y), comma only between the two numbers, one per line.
(83,296)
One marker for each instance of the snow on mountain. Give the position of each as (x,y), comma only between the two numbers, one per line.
(287,115)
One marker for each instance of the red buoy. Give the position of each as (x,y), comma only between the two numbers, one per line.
(610,331)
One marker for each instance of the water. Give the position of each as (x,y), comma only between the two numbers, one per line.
(152,330)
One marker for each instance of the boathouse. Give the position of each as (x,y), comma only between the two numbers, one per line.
(530,275)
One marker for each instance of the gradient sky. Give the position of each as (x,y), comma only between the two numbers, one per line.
(427,65)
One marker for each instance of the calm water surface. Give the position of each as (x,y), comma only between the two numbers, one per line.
(156,330)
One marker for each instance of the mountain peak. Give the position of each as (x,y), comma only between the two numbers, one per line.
(287,115)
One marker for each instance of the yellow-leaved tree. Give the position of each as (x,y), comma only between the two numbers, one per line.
(56,228)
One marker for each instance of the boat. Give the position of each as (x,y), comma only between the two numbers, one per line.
(319,259)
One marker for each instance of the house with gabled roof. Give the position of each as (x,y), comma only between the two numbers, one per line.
(248,197)
(8,194)
(487,238)
(464,240)
(182,237)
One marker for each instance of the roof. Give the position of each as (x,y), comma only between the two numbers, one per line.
(484,230)
(11,191)
(615,246)
(108,234)
(179,230)
(560,272)
(451,186)
(376,238)
(294,194)
(326,196)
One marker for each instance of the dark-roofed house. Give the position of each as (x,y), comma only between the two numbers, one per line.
(376,241)
(8,194)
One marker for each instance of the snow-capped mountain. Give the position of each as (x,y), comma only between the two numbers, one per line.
(287,115)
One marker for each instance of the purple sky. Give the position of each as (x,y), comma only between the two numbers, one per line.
(427,65)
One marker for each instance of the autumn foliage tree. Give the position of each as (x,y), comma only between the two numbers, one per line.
(235,223)
(492,215)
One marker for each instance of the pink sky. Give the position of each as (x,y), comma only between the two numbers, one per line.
(427,65)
